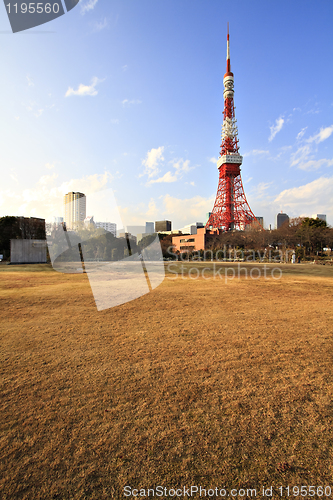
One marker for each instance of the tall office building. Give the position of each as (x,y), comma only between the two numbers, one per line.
(281,219)
(149,227)
(260,220)
(74,209)
(162,226)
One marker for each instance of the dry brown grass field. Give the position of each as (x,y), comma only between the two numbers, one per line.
(200,382)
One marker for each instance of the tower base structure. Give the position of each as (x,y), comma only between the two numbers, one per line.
(231,210)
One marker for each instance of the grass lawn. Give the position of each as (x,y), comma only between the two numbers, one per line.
(211,382)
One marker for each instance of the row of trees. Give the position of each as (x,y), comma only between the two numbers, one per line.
(306,237)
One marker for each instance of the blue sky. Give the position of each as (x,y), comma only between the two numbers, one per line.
(128,95)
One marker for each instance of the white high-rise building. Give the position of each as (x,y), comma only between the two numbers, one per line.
(319,216)
(107,226)
(74,209)
(192,228)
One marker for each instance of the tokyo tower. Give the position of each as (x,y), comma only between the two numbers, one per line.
(231,209)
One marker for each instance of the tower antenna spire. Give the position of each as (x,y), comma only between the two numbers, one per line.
(228,52)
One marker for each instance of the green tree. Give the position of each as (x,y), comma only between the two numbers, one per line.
(9,230)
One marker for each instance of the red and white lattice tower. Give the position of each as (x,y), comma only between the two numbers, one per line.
(231,209)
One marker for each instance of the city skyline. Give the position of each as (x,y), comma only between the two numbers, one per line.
(114,98)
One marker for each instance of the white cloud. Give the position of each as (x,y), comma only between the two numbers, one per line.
(213,160)
(152,209)
(179,211)
(84,90)
(315,164)
(256,152)
(314,197)
(276,128)
(125,67)
(153,159)
(45,199)
(261,189)
(33,107)
(129,102)
(181,166)
(167,177)
(183,211)
(322,135)
(301,155)
(88,5)
(49,166)
(13,176)
(152,164)
(47,179)
(30,82)
(304,157)
(101,25)
(301,133)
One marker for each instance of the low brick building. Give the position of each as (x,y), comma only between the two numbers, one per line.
(193,242)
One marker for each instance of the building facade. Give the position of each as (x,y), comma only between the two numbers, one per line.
(108,226)
(28,251)
(260,220)
(281,219)
(162,226)
(74,209)
(319,216)
(149,227)
(192,228)
(194,242)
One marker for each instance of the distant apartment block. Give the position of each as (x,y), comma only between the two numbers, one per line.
(162,226)
(192,228)
(89,221)
(260,220)
(281,219)
(74,209)
(108,226)
(150,227)
(319,216)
